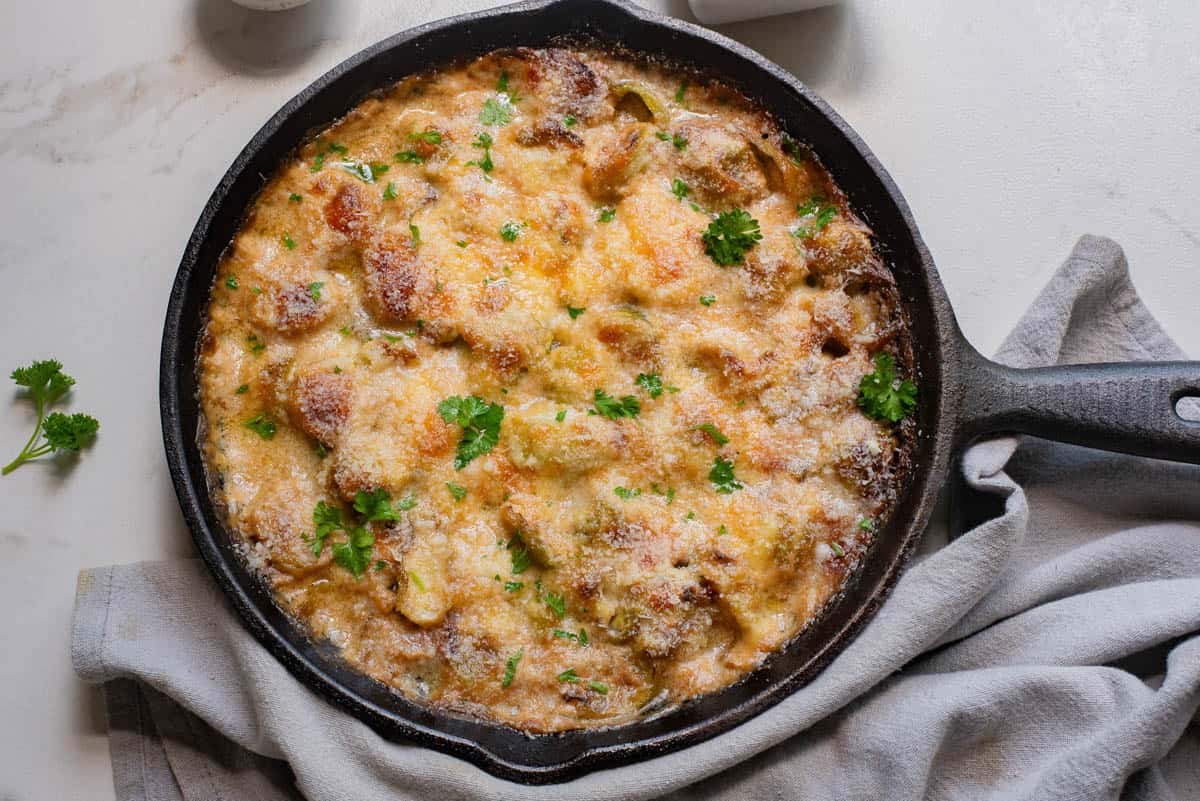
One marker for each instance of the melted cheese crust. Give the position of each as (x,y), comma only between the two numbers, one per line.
(680,589)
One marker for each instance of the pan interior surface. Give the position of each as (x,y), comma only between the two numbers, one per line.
(499,749)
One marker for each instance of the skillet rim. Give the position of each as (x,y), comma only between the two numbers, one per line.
(499,749)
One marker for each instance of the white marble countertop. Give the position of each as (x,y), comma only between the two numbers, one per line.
(1011,128)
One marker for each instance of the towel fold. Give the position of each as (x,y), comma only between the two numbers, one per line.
(1048,653)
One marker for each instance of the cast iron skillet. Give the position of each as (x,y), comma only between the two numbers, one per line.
(1120,407)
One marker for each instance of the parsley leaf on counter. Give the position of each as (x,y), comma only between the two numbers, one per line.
(711,430)
(722,476)
(882,396)
(480,422)
(729,237)
(510,667)
(612,408)
(262,425)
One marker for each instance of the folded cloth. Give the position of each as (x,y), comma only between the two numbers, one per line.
(1052,652)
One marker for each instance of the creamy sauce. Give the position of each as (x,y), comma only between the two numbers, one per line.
(357,299)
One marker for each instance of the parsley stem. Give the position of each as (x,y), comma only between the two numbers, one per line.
(26,454)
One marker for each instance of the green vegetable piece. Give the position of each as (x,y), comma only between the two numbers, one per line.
(729,236)
(883,396)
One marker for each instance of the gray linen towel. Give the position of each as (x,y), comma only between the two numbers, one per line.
(1050,653)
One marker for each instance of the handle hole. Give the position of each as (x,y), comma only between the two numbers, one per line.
(1188,408)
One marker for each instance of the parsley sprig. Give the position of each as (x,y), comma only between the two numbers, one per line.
(613,408)
(354,553)
(480,422)
(729,236)
(721,475)
(882,396)
(45,383)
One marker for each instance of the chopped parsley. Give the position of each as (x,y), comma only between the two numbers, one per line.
(663,135)
(457,491)
(510,231)
(518,554)
(231,282)
(668,493)
(257,346)
(679,141)
(380,564)
(729,236)
(502,83)
(580,638)
(607,214)
(417,580)
(568,675)
(243,389)
(708,300)
(679,189)
(288,242)
(376,505)
(721,530)
(651,382)
(360,170)
(562,415)
(294,198)
(389,193)
(513,586)
(612,408)
(837,548)
(416,234)
(45,383)
(496,111)
(355,553)
(866,524)
(480,422)
(569,120)
(462,243)
(575,311)
(262,425)
(409,157)
(318,163)
(679,93)
(484,142)
(711,430)
(822,214)
(510,668)
(792,148)
(314,290)
(556,603)
(721,475)
(626,494)
(428,136)
(883,396)
(598,686)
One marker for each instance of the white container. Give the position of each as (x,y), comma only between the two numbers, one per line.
(716,12)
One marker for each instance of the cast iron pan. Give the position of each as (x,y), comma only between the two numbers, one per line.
(1120,407)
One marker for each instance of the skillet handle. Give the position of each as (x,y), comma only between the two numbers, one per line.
(1126,407)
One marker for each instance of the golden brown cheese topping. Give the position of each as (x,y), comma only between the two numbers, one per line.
(533,385)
